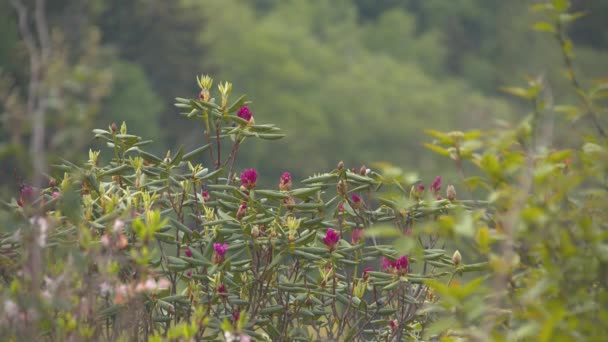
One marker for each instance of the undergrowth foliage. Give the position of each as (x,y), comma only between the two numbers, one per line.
(189,247)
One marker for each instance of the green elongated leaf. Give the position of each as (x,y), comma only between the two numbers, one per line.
(304,192)
(307,255)
(277,259)
(180,226)
(309,206)
(359,178)
(304,239)
(386,312)
(214,174)
(475,267)
(174,298)
(544,26)
(437,149)
(222,187)
(224,196)
(519,92)
(177,158)
(165,237)
(119,170)
(442,138)
(149,157)
(321,179)
(263,128)
(101,131)
(270,136)
(196,262)
(560,5)
(433,256)
(272,194)
(196,152)
(203,104)
(237,104)
(383,231)
(272,309)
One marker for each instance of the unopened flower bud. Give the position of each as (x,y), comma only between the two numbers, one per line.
(206,196)
(255,232)
(285,182)
(241,212)
(342,187)
(113,127)
(450,193)
(456,258)
(290,202)
(340,165)
(363,170)
(122,241)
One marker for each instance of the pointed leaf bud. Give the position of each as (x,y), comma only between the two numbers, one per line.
(450,193)
(456,258)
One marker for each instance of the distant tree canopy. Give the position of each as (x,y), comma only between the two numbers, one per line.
(328,66)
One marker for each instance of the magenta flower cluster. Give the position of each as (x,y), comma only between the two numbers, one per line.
(331,239)
(436,185)
(249,178)
(399,266)
(245,113)
(285,181)
(357,235)
(220,252)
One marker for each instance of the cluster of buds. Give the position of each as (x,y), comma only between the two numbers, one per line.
(342,188)
(436,187)
(331,239)
(356,201)
(358,235)
(399,266)
(220,252)
(456,258)
(417,192)
(450,193)
(204,82)
(222,291)
(249,178)
(289,202)
(285,182)
(327,274)
(206,197)
(293,224)
(246,114)
(241,212)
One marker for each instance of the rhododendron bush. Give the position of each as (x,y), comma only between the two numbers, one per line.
(188,246)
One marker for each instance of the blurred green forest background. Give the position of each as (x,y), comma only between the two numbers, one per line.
(352,80)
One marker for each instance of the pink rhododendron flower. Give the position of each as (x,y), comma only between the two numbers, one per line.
(206,196)
(220,252)
(249,178)
(241,212)
(399,266)
(331,239)
(285,181)
(245,113)
(436,185)
(188,252)
(357,235)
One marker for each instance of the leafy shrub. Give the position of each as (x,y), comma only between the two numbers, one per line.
(186,247)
